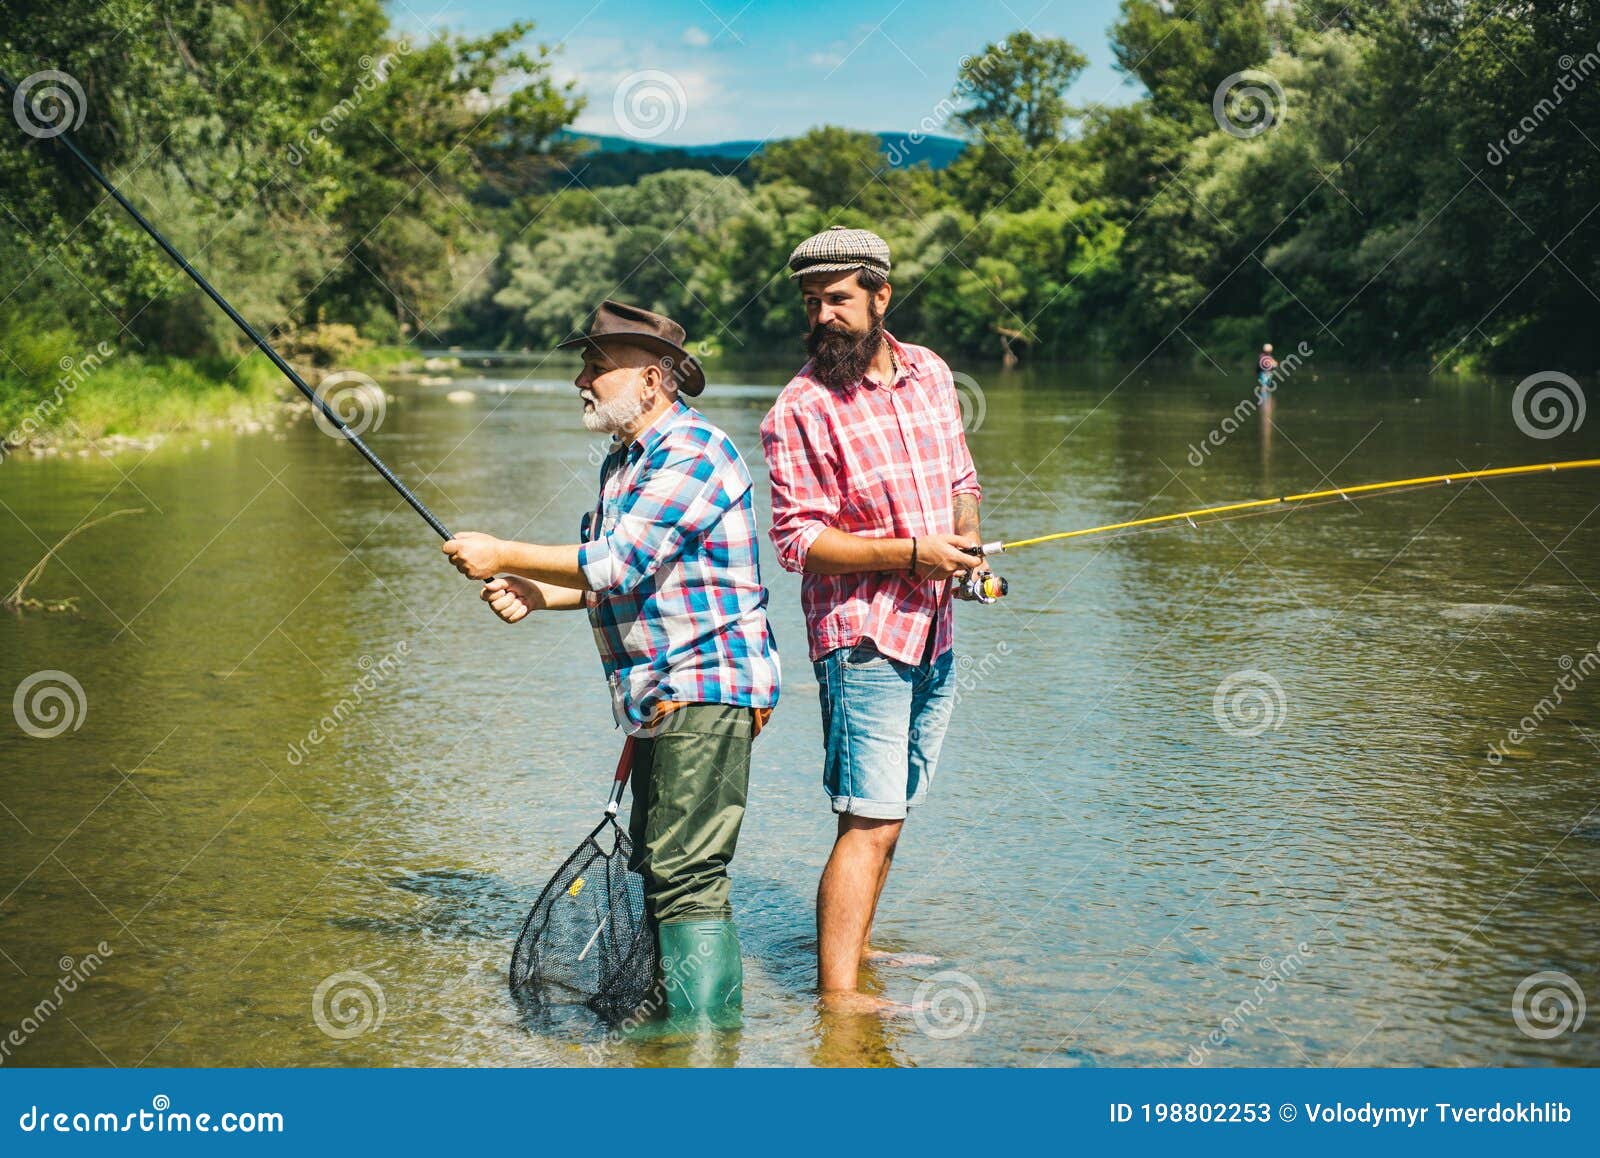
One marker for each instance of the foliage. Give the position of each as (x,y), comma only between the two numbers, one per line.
(318,165)
(1416,187)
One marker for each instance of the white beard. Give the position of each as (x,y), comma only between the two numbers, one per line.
(615,417)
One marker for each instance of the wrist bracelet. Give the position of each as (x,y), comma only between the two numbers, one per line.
(912,570)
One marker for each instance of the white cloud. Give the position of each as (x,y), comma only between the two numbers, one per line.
(696,37)
(601,65)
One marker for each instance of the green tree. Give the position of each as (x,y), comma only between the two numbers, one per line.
(1183,52)
(308,124)
(1014,104)
(839,167)
(1019,85)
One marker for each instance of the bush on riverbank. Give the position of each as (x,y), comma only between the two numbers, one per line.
(106,394)
(58,387)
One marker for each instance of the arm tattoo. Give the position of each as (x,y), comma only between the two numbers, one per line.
(966,514)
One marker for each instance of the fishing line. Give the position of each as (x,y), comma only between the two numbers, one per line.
(250,332)
(1226,512)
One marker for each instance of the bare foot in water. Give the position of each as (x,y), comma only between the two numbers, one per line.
(891,960)
(861,1003)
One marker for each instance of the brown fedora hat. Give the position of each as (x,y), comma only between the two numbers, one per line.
(620,322)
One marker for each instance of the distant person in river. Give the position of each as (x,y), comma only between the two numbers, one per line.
(1265,365)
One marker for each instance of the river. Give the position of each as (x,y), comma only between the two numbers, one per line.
(1257,793)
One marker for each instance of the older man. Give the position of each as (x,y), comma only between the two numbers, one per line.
(668,572)
(875,499)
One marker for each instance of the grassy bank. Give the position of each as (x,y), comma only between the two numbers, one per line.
(58,390)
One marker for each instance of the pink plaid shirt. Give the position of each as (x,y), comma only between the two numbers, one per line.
(870,460)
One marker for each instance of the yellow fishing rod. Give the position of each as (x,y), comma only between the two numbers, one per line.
(994,586)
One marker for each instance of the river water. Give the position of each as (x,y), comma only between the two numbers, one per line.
(1217,796)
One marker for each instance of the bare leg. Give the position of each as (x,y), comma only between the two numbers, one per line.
(847,895)
(884,957)
(877,895)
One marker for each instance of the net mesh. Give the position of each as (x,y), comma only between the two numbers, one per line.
(588,940)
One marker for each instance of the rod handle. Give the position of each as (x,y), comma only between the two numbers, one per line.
(624,769)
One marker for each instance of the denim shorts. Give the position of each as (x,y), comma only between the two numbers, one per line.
(883,723)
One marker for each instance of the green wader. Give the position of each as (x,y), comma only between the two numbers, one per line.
(690,780)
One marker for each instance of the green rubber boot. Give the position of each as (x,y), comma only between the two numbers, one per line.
(703,978)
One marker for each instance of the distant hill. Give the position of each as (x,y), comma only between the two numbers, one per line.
(623,160)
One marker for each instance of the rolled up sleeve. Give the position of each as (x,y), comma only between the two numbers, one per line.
(966,474)
(963,473)
(805,487)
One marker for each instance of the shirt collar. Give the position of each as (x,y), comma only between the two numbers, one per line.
(650,434)
(903,366)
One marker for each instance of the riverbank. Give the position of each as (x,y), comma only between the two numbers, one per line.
(58,396)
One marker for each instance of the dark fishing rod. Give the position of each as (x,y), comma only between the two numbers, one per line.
(64,138)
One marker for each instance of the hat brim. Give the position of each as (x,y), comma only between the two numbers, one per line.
(685,366)
(836,267)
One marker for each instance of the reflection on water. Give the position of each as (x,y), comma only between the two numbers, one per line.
(1219,796)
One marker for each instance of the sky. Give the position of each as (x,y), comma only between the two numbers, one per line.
(683,72)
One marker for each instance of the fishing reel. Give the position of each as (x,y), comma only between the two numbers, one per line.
(985,588)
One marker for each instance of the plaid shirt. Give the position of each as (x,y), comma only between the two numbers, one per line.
(677,605)
(883,462)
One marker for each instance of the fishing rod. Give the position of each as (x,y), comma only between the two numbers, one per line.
(1221,512)
(288,371)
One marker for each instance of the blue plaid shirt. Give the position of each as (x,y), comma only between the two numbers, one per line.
(677,606)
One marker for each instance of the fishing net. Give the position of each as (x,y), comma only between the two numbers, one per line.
(588,939)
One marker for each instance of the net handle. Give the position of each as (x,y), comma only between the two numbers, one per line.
(624,768)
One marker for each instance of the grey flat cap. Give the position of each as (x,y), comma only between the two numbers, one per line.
(836,249)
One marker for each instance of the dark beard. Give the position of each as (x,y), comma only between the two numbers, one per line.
(840,358)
